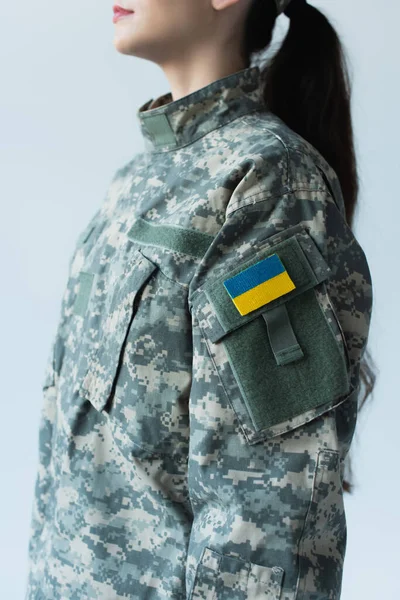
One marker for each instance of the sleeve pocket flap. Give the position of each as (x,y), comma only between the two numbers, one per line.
(296,259)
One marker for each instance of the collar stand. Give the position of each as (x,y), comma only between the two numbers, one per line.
(168,125)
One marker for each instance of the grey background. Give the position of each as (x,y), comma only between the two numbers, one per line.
(67,120)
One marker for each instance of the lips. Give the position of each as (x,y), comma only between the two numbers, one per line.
(118,10)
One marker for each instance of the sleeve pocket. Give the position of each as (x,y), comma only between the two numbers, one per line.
(223,577)
(285,362)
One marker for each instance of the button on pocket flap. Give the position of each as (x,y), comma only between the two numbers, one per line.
(271,276)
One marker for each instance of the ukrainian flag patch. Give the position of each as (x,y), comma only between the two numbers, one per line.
(259,284)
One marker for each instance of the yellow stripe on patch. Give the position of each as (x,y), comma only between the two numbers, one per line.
(263,293)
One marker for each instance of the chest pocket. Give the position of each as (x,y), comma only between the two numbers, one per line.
(285,362)
(107,306)
(57,350)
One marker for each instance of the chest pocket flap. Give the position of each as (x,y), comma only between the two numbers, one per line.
(99,361)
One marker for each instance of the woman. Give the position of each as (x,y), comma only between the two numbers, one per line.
(203,386)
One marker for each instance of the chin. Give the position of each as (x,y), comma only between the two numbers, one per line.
(124,44)
(133,47)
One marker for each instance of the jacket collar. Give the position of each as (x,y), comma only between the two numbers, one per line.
(168,125)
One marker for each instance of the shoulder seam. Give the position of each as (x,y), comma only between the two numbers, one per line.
(278,137)
(264,195)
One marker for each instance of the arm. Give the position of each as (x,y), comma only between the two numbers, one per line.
(269,386)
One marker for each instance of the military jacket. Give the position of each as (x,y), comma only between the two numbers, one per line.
(201,391)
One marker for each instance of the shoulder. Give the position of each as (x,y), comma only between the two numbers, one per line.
(277,160)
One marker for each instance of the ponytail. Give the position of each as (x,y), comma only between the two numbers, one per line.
(307,85)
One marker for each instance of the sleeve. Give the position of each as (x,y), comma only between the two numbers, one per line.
(276,302)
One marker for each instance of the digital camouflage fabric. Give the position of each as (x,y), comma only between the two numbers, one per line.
(189,449)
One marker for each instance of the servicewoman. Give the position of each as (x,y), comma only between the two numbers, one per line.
(201,393)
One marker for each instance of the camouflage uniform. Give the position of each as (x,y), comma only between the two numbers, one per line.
(190,449)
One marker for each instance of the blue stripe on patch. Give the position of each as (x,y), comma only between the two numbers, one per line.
(254,275)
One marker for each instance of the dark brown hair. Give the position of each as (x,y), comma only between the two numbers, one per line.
(307,85)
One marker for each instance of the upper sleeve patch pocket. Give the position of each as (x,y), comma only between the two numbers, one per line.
(271,340)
